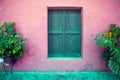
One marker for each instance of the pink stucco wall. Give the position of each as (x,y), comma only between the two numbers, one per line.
(31,17)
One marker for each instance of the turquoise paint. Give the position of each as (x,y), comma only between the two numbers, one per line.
(64,31)
(58,76)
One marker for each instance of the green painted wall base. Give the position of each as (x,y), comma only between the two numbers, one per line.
(58,76)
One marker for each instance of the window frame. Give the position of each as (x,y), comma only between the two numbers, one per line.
(81,31)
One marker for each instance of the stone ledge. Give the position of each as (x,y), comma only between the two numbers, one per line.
(58,76)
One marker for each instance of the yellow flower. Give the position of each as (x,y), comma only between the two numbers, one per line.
(109,34)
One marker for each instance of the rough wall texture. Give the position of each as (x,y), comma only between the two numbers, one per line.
(31,17)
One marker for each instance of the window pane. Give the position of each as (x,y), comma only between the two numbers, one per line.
(73,48)
(73,20)
(55,21)
(55,45)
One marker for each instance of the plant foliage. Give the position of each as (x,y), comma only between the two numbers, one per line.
(11,43)
(110,41)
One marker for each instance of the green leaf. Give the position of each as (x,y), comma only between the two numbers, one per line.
(114,66)
(18,35)
(103,41)
(10,28)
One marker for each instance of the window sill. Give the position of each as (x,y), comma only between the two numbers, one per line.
(64,58)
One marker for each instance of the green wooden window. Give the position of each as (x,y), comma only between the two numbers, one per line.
(64,33)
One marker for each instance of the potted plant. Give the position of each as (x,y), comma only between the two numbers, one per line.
(110,42)
(12,46)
